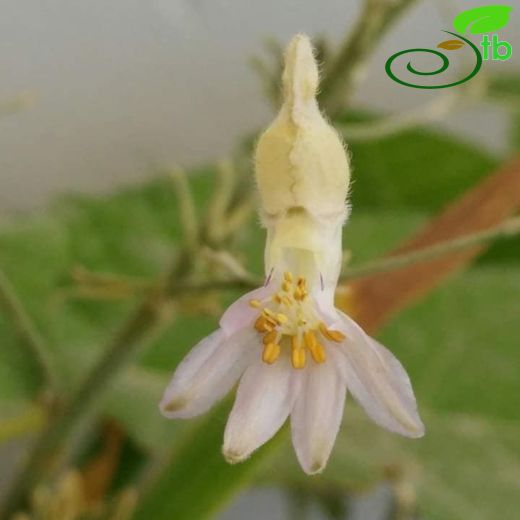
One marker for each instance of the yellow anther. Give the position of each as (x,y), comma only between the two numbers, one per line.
(270,317)
(287,276)
(310,339)
(282,318)
(286,286)
(270,337)
(255,303)
(295,343)
(318,353)
(333,335)
(298,358)
(287,301)
(298,294)
(271,353)
(261,325)
(277,299)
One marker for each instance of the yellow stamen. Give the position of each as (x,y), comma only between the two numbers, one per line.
(286,300)
(282,318)
(286,286)
(333,335)
(270,318)
(318,353)
(292,323)
(261,325)
(298,358)
(310,339)
(271,353)
(270,337)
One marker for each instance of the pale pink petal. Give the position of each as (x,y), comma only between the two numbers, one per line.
(378,382)
(240,314)
(324,300)
(208,372)
(264,399)
(317,414)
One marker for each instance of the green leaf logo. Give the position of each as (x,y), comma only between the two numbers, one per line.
(489,18)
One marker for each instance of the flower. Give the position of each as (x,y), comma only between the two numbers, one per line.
(294,353)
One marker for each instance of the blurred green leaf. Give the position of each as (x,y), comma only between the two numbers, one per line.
(460,344)
(465,467)
(418,170)
(134,403)
(198,482)
(505,86)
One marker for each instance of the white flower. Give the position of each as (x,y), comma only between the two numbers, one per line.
(294,353)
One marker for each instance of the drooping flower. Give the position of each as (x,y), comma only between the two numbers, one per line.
(293,352)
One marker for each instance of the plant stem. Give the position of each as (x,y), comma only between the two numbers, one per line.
(30,420)
(507,229)
(435,110)
(345,71)
(45,454)
(28,333)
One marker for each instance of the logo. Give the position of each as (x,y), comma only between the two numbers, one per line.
(480,20)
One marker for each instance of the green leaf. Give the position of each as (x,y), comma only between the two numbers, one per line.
(466,466)
(505,87)
(198,482)
(485,19)
(415,170)
(134,403)
(460,343)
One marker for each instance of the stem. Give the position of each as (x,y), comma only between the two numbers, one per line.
(345,71)
(243,280)
(30,420)
(507,229)
(187,210)
(28,333)
(433,111)
(45,454)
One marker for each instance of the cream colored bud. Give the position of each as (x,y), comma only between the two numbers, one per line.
(300,160)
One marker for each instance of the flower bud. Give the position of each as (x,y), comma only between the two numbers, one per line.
(300,159)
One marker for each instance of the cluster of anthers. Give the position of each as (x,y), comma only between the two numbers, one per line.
(288,318)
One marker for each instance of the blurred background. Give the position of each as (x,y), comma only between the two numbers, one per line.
(120,87)
(100,105)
